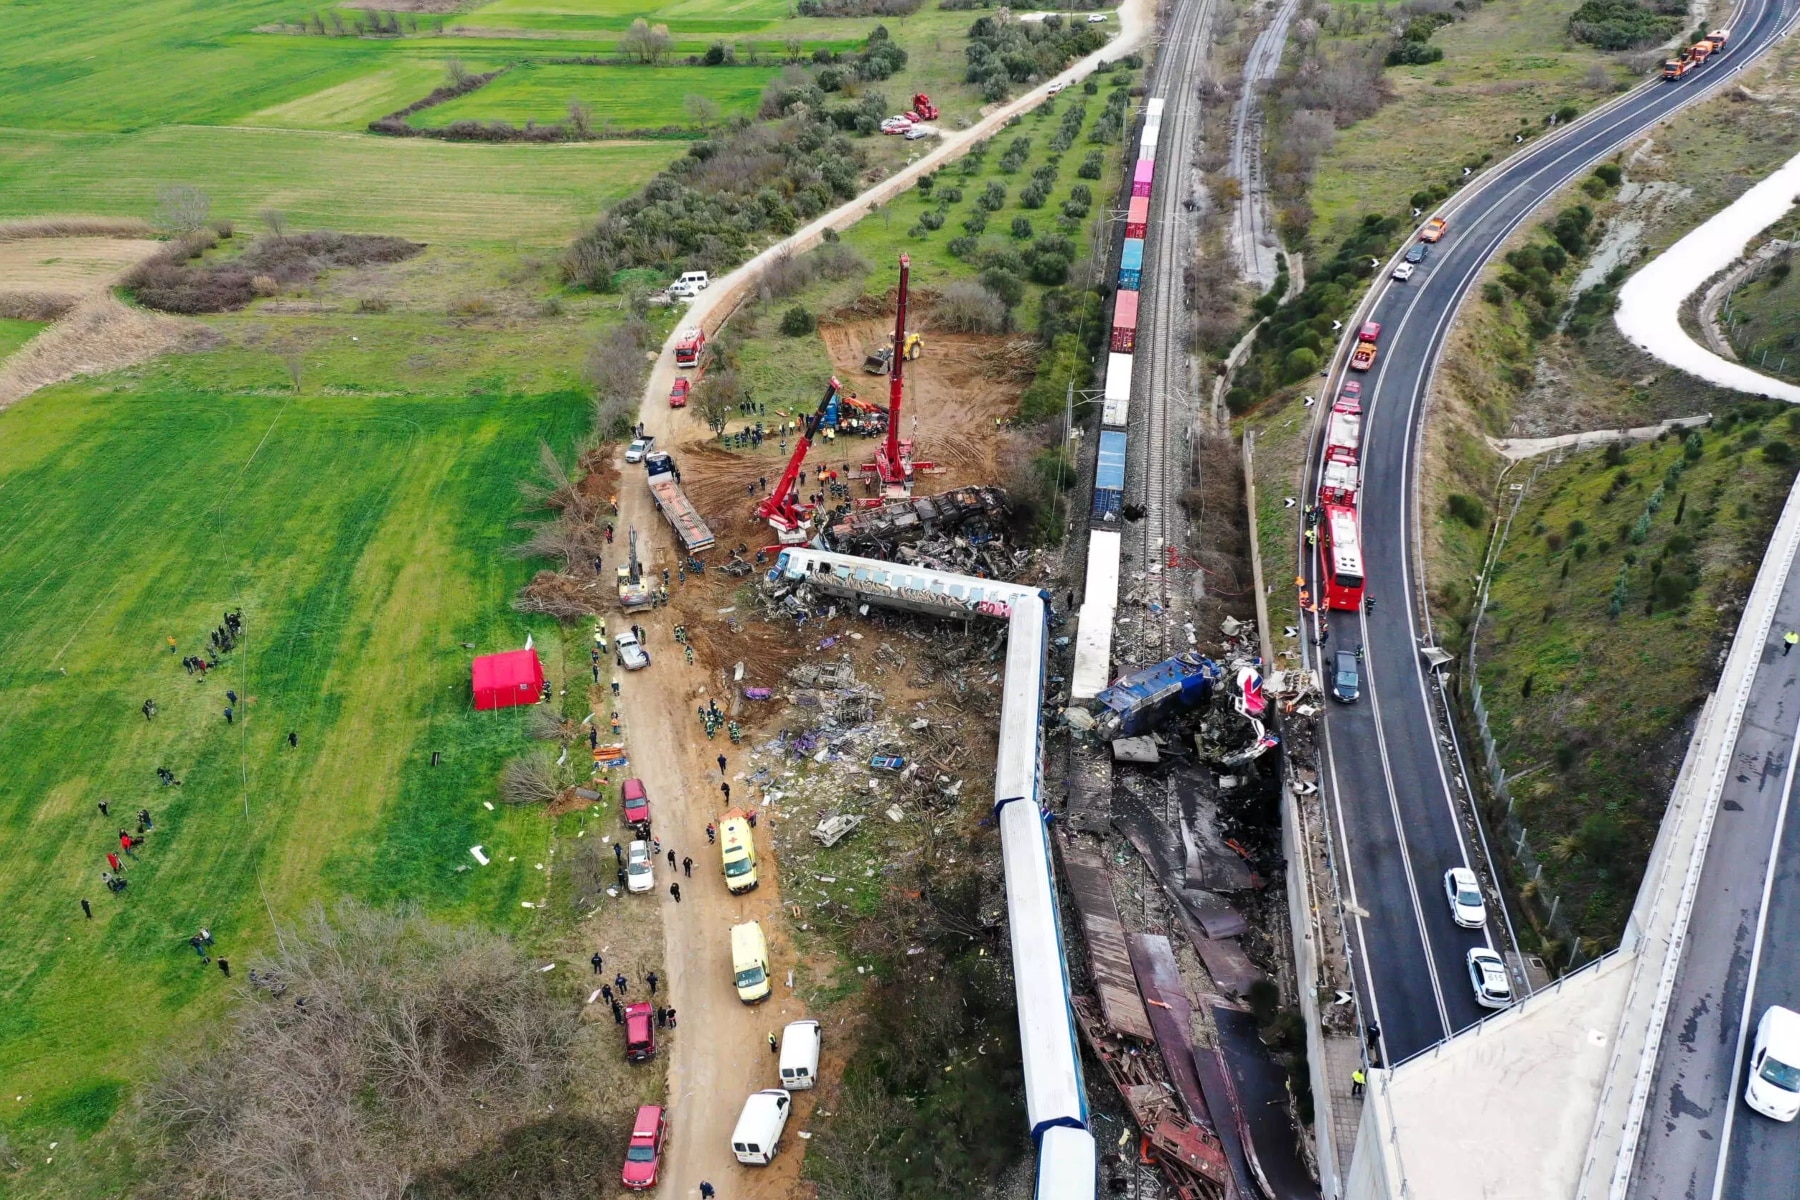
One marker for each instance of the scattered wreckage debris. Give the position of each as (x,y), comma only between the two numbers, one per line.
(1189,1156)
(974,515)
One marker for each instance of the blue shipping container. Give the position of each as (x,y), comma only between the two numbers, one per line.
(1109,477)
(1131,264)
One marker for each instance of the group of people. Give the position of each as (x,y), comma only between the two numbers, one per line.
(114,874)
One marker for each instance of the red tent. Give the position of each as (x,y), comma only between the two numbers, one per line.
(505,680)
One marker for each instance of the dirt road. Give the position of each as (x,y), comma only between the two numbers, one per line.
(722,1055)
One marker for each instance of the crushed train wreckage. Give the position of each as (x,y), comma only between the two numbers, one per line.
(975,515)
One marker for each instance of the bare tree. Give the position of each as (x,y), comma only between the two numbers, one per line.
(455,73)
(375,1046)
(531,779)
(645,43)
(701,110)
(967,307)
(181,209)
(581,119)
(275,221)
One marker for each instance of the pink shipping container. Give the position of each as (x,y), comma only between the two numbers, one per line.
(1143,177)
(1137,217)
(1125,319)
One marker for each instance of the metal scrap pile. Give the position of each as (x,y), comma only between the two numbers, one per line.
(975,514)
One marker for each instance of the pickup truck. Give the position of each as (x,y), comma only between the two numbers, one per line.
(665,490)
(1434,229)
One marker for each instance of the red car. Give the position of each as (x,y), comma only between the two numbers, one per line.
(644,1156)
(637,802)
(679,393)
(1351,391)
(640,1032)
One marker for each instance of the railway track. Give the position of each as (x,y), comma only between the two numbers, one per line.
(1156,426)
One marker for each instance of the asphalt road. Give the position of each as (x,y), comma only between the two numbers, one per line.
(1694,1106)
(1390,761)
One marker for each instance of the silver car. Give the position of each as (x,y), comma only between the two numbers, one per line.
(630,652)
(639,447)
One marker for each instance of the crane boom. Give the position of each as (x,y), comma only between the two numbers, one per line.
(893,461)
(779,508)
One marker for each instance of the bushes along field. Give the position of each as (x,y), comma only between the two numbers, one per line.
(169,281)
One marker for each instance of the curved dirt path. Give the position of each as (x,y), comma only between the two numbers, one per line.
(721,1055)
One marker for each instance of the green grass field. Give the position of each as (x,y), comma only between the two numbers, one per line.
(14,334)
(1509,61)
(622,97)
(421,188)
(362,538)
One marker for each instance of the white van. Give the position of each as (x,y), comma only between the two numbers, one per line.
(759,1126)
(800,1055)
(692,281)
(1774,1087)
(750,962)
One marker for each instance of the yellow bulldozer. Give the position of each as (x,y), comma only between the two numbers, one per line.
(881,358)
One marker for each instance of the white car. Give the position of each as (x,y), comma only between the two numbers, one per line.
(1057,87)
(1096,18)
(1463,892)
(1774,1087)
(1403,272)
(1487,974)
(681,290)
(640,868)
(917,132)
(639,447)
(630,652)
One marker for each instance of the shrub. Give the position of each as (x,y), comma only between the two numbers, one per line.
(932,220)
(1778,452)
(1408,53)
(1468,510)
(961,247)
(1033,196)
(1049,268)
(1021,228)
(950,195)
(1609,174)
(412,1041)
(168,282)
(1004,284)
(975,222)
(797,322)
(708,208)
(967,307)
(1300,362)
(993,197)
(1620,25)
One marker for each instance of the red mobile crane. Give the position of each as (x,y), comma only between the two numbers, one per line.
(787,516)
(893,458)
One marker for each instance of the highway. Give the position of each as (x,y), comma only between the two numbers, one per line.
(1391,759)
(1741,944)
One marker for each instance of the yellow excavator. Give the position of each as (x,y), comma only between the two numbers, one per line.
(880,358)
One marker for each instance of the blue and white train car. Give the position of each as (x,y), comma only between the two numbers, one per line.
(1109,478)
(1115,412)
(1131,265)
